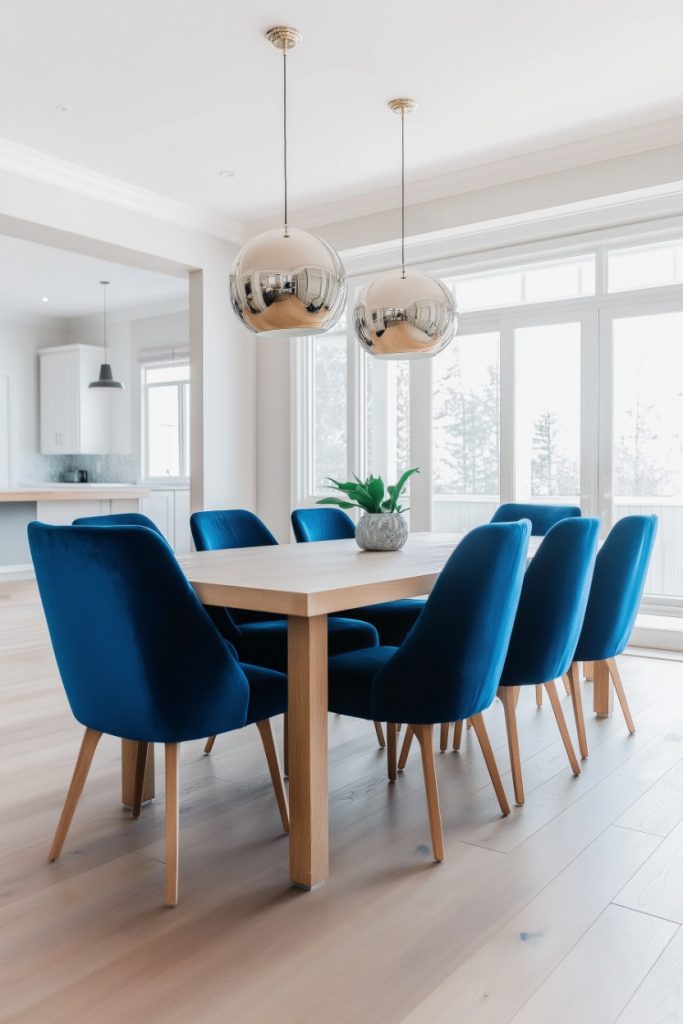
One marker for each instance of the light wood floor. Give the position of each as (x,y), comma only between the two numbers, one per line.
(568,911)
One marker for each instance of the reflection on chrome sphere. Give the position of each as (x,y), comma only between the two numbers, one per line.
(405,317)
(286,285)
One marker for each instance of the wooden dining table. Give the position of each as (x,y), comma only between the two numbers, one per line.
(306,583)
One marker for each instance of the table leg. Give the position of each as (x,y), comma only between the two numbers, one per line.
(129,754)
(307,727)
(602,689)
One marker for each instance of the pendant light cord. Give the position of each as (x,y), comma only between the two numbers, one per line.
(104,317)
(284,131)
(403,194)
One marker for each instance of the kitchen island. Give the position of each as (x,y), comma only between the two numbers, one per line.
(59,504)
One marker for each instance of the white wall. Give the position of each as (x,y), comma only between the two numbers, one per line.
(19,344)
(222,352)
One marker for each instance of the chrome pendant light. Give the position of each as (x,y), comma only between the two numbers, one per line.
(404,314)
(106,377)
(287,282)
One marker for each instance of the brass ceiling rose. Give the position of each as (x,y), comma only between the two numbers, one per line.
(402,105)
(283,37)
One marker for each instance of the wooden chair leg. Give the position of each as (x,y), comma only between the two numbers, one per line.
(621,694)
(551,690)
(285,746)
(577,703)
(602,691)
(391,751)
(588,671)
(85,755)
(405,749)
(380,734)
(424,734)
(457,735)
(209,744)
(486,749)
(140,765)
(539,696)
(443,737)
(567,684)
(266,734)
(172,751)
(508,699)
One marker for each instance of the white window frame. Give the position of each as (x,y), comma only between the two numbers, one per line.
(183,386)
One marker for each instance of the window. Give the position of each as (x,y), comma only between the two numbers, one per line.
(166,420)
(328,380)
(645,266)
(547,411)
(465,432)
(387,405)
(538,282)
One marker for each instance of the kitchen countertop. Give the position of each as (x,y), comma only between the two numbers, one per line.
(74,492)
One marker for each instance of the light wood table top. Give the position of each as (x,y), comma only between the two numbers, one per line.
(320,578)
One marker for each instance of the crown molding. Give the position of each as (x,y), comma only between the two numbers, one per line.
(32,163)
(460,179)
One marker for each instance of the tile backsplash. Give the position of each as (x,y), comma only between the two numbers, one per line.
(109,469)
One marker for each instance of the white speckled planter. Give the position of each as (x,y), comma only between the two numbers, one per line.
(385,531)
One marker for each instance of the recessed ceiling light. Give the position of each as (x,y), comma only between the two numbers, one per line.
(62,108)
(45,298)
(228,173)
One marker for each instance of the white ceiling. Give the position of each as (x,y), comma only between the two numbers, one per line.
(69,281)
(164,94)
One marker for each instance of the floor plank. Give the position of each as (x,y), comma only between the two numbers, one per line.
(658,887)
(659,1000)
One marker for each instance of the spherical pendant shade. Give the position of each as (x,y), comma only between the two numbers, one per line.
(287,285)
(407,317)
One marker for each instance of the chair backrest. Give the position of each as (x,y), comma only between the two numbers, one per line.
(541,517)
(137,653)
(311,524)
(449,665)
(618,581)
(553,604)
(119,519)
(231,528)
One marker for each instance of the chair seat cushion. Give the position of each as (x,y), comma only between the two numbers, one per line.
(393,620)
(265,643)
(351,677)
(267,693)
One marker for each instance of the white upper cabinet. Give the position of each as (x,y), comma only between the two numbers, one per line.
(76,420)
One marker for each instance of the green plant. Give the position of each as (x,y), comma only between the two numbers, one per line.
(369,495)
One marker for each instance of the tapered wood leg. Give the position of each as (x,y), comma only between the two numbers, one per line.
(266,734)
(208,747)
(140,766)
(285,745)
(551,690)
(539,696)
(391,751)
(602,691)
(517,692)
(588,670)
(129,762)
(457,735)
(577,703)
(619,687)
(424,737)
(443,737)
(380,734)
(507,696)
(405,749)
(486,749)
(567,684)
(172,752)
(85,755)
(307,714)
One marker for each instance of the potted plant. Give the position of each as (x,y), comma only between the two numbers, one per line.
(382,526)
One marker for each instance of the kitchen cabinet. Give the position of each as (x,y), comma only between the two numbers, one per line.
(75,420)
(170,511)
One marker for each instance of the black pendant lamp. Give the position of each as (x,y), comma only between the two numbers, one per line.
(106,377)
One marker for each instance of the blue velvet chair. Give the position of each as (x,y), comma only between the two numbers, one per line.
(141,660)
(449,665)
(541,517)
(547,626)
(261,638)
(621,567)
(119,519)
(393,620)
